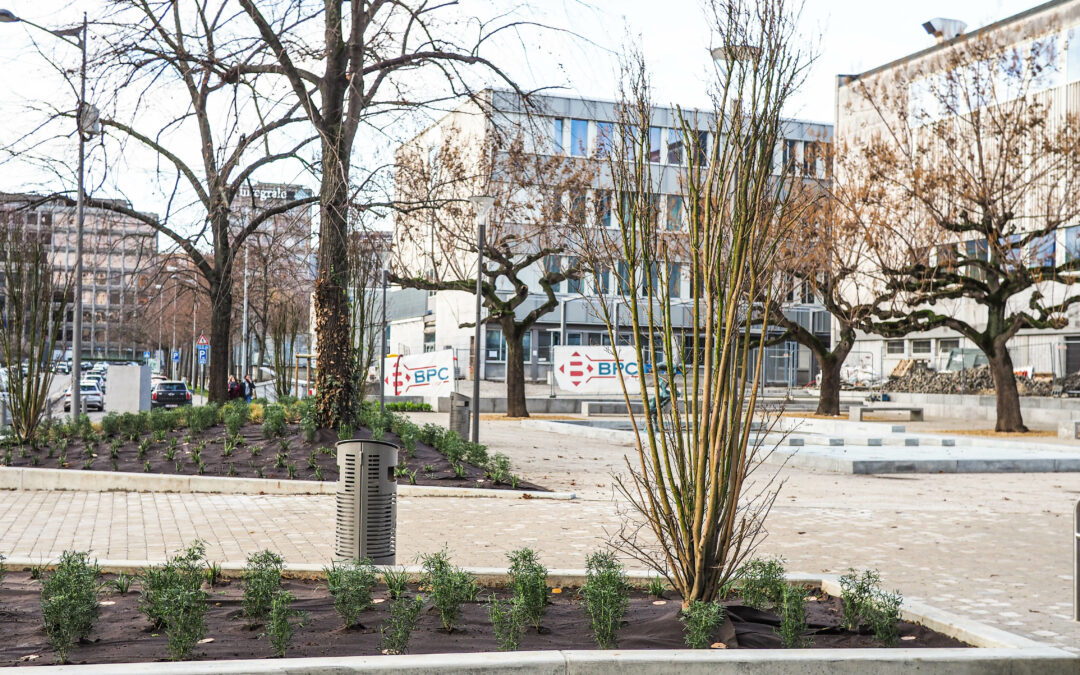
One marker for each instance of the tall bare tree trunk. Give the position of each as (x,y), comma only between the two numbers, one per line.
(831,362)
(515,370)
(220,341)
(1009,417)
(334,375)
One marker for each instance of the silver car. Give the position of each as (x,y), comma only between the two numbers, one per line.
(90,393)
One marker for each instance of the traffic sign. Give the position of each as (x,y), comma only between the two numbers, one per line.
(202,341)
(202,357)
(146,354)
(176,356)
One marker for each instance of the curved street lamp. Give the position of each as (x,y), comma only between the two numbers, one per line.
(483,204)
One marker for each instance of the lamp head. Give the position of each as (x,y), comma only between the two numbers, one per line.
(7,16)
(483,204)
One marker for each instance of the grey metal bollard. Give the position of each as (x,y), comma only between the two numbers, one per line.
(460,413)
(1076,562)
(366,501)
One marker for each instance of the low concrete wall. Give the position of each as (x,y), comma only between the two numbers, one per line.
(19,478)
(1036,409)
(542,406)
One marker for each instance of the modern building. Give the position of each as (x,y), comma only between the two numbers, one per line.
(118,260)
(423,321)
(1045,40)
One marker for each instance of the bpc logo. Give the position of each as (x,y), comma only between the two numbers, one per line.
(428,375)
(609,368)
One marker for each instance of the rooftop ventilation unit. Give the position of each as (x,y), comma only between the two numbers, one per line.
(944,29)
(366,501)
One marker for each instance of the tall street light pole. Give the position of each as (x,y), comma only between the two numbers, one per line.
(382,347)
(244,324)
(483,204)
(82,127)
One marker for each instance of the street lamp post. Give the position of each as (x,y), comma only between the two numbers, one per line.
(382,348)
(82,127)
(244,324)
(483,204)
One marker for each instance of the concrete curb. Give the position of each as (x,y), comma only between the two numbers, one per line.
(21,478)
(996,652)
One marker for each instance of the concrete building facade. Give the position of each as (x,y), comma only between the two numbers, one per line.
(422,321)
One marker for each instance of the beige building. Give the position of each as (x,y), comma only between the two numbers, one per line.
(118,259)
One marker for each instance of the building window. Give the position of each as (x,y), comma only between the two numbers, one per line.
(573,339)
(674,147)
(603,207)
(790,152)
(894,346)
(654,144)
(920,346)
(547,340)
(810,158)
(946,345)
(495,347)
(602,280)
(1072,53)
(573,284)
(1041,251)
(429,341)
(551,266)
(556,136)
(603,139)
(579,137)
(578,206)
(674,212)
(1072,240)
(674,281)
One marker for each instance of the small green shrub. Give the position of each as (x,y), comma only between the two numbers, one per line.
(408,406)
(883,617)
(762,582)
(110,424)
(122,583)
(700,621)
(449,587)
(606,595)
(657,587)
(234,422)
(183,572)
(528,582)
(397,581)
(350,585)
(792,630)
(262,578)
(498,469)
(273,425)
(507,621)
(857,593)
(69,602)
(398,628)
(282,621)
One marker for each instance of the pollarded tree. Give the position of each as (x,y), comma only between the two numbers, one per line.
(962,170)
(539,202)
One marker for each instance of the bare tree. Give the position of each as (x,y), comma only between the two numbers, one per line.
(961,170)
(35,300)
(369,259)
(373,57)
(169,50)
(540,201)
(688,486)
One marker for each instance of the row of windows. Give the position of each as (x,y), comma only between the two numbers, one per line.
(1041,251)
(600,283)
(920,346)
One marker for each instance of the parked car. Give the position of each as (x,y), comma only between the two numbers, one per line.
(63,367)
(90,392)
(170,393)
(96,378)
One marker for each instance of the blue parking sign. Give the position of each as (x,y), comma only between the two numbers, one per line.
(176,356)
(202,357)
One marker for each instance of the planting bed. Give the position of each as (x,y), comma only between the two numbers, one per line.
(122,634)
(310,461)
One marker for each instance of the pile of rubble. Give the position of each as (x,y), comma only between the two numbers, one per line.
(921,380)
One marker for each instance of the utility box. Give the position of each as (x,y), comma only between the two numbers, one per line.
(366,501)
(127,389)
(460,410)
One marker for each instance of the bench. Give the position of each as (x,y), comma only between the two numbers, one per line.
(856,412)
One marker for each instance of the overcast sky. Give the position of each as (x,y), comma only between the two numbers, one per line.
(850,36)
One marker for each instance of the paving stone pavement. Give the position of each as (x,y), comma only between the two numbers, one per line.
(993,547)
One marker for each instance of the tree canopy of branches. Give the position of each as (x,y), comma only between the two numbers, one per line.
(35,298)
(540,200)
(372,55)
(689,487)
(164,52)
(961,169)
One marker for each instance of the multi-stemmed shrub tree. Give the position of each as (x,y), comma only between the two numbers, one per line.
(688,487)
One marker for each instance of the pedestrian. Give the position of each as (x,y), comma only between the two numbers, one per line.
(234,388)
(248,389)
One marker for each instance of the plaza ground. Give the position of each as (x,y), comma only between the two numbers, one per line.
(992,547)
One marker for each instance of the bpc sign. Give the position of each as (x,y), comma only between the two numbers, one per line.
(430,374)
(595,370)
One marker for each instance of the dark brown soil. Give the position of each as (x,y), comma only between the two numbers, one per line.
(123,635)
(431,467)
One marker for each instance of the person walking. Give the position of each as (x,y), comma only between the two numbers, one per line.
(234,388)
(248,389)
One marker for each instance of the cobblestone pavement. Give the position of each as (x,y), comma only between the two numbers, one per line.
(993,547)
